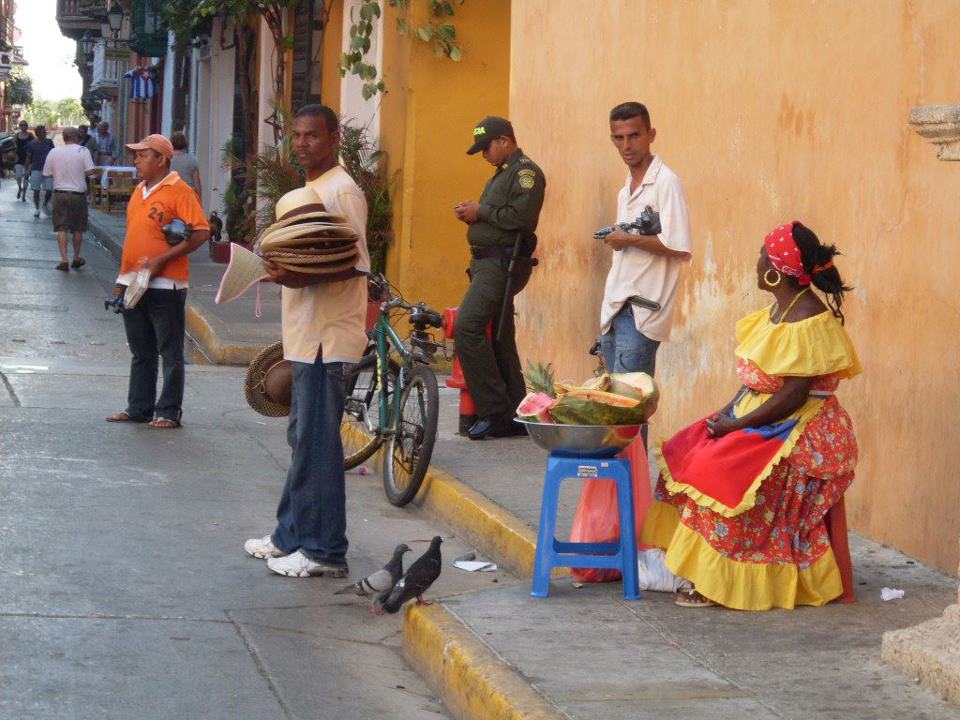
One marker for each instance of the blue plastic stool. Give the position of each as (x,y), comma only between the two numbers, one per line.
(552,553)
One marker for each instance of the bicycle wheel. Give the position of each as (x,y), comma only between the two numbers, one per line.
(407,452)
(360,425)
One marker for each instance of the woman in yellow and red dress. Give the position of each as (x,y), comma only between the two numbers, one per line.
(741,501)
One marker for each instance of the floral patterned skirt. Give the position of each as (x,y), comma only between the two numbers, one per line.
(777,553)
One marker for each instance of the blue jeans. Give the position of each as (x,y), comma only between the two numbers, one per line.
(155,331)
(312,514)
(625,349)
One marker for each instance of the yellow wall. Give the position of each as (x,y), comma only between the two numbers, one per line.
(427,119)
(332,48)
(768,111)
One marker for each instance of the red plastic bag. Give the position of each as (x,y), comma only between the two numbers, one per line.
(597,518)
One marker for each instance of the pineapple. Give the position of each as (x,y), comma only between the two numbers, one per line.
(540,378)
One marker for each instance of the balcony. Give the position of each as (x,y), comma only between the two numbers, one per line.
(77,16)
(105,73)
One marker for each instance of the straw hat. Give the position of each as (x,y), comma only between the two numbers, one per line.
(268,383)
(306,239)
(245,268)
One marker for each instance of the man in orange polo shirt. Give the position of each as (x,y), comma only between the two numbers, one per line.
(156,325)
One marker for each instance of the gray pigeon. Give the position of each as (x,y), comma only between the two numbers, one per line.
(418,578)
(382,580)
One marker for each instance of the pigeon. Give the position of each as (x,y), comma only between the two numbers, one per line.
(418,578)
(382,580)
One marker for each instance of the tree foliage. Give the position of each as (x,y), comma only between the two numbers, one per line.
(438,31)
(70,111)
(40,112)
(19,89)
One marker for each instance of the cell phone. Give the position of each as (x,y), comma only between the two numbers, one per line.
(643,302)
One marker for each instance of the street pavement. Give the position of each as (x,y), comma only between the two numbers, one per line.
(124,589)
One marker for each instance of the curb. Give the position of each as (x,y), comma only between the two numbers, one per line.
(473,682)
(500,535)
(199,328)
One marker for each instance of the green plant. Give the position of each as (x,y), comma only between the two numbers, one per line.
(438,31)
(239,215)
(368,168)
(19,89)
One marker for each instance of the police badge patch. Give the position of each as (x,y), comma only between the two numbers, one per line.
(526,178)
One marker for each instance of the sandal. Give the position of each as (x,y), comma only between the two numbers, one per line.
(63,267)
(78,263)
(124,416)
(692,599)
(163,424)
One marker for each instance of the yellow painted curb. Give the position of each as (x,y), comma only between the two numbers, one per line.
(473,682)
(498,534)
(199,329)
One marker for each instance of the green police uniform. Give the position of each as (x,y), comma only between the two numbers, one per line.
(510,203)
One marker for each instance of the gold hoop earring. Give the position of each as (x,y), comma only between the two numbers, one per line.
(766,277)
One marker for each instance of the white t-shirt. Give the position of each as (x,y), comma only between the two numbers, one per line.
(637,272)
(68,165)
(331,315)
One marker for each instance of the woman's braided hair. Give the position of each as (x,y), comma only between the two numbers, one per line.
(828,280)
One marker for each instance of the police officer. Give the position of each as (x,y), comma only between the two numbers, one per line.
(504,219)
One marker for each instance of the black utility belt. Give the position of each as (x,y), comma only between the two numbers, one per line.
(490,251)
(70,192)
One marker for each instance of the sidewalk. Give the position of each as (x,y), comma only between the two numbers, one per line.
(585,653)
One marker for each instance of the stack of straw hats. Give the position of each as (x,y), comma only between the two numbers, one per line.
(305,239)
(308,239)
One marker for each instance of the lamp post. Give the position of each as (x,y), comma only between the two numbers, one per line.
(86,46)
(111,24)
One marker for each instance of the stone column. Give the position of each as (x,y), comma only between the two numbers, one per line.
(930,651)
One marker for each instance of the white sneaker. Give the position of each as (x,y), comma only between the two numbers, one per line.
(262,548)
(299,565)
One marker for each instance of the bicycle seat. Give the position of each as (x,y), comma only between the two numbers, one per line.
(423,317)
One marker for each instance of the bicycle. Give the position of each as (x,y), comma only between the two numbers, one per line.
(375,412)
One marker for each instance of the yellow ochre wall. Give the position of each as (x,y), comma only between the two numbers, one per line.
(427,119)
(332,48)
(768,112)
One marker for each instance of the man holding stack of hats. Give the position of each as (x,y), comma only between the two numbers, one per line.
(317,251)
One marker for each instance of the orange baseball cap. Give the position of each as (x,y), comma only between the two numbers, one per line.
(157,143)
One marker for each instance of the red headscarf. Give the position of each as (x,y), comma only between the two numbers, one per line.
(784,254)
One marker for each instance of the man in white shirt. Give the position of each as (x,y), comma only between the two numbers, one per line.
(323,327)
(69,166)
(644,267)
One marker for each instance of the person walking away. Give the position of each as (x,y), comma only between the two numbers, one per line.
(106,153)
(36,157)
(156,325)
(69,165)
(185,164)
(643,266)
(323,324)
(23,138)
(509,205)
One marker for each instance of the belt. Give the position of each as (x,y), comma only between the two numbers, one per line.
(70,192)
(497,251)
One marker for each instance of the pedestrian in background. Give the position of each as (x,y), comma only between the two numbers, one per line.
(37,151)
(510,204)
(87,140)
(185,164)
(68,166)
(156,326)
(644,266)
(23,138)
(323,324)
(106,154)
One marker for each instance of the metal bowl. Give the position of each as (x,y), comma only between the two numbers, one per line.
(585,440)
